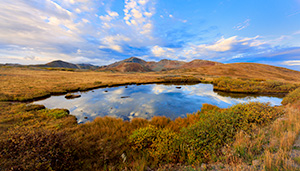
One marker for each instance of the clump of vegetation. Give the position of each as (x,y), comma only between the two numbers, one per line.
(291,97)
(254,86)
(37,150)
(59,69)
(161,145)
(110,143)
(201,140)
(179,79)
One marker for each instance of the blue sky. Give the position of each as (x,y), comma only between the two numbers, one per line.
(104,31)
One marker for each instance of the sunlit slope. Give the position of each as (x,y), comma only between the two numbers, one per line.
(247,70)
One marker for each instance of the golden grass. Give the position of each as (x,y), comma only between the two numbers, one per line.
(283,134)
(21,84)
(246,70)
(105,139)
(18,116)
(269,146)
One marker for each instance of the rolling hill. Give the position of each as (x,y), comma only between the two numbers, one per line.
(245,70)
(128,65)
(196,67)
(63,64)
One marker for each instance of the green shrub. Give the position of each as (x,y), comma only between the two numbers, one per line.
(203,139)
(216,128)
(162,145)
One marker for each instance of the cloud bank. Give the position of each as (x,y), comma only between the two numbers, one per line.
(101,32)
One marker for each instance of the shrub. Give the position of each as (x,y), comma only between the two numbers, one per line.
(162,145)
(252,86)
(291,97)
(37,150)
(204,139)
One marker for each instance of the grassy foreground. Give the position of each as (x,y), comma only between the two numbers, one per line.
(251,136)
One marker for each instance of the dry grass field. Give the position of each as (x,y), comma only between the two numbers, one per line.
(253,136)
(21,84)
(246,70)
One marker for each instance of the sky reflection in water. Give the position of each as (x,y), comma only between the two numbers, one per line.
(146,101)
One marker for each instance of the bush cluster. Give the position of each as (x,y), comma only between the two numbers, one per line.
(37,150)
(110,143)
(252,86)
(291,97)
(201,140)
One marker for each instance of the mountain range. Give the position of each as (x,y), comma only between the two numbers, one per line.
(63,64)
(131,64)
(134,64)
(195,67)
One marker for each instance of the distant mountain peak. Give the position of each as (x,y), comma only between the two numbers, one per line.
(134,60)
(64,64)
(130,65)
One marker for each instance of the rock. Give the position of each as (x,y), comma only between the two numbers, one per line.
(123,97)
(178,87)
(105,91)
(126,86)
(72,96)
(85,117)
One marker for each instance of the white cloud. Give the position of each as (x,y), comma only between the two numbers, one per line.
(24,25)
(232,46)
(111,15)
(242,25)
(163,52)
(78,10)
(223,44)
(138,16)
(297,32)
(113,42)
(292,62)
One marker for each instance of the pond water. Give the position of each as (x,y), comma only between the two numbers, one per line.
(146,101)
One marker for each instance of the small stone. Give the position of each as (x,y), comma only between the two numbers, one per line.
(178,87)
(85,117)
(72,96)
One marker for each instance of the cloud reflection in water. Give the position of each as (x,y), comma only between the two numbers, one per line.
(146,101)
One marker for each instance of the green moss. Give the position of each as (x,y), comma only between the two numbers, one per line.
(57,113)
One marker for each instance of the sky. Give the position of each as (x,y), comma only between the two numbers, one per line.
(101,32)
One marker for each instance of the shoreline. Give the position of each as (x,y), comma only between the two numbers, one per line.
(175,82)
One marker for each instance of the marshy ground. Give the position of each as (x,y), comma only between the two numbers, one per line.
(251,136)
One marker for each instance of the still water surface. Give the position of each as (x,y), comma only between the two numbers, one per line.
(146,101)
